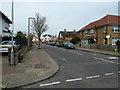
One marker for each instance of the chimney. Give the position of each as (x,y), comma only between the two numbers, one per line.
(64,29)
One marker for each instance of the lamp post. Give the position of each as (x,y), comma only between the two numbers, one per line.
(12,62)
(29,32)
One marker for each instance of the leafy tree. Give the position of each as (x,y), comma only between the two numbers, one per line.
(75,40)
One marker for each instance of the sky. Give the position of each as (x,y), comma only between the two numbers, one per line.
(67,15)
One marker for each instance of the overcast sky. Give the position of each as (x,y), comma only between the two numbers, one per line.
(60,15)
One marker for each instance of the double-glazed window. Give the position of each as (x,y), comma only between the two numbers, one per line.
(86,32)
(116,29)
(92,31)
(80,33)
(105,29)
(114,40)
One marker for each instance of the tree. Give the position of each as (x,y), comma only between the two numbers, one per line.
(21,34)
(21,39)
(75,40)
(39,24)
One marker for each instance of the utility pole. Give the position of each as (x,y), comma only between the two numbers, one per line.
(12,49)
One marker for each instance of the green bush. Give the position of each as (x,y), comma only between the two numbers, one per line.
(75,40)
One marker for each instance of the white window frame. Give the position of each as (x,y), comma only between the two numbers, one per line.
(116,29)
(105,29)
(86,32)
(114,40)
(92,31)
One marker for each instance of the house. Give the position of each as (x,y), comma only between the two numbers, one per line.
(48,37)
(105,31)
(66,35)
(35,38)
(4,26)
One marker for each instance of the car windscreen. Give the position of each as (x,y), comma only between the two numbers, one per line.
(70,44)
(4,42)
(10,43)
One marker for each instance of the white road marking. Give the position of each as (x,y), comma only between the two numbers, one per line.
(112,58)
(109,74)
(118,71)
(71,80)
(106,60)
(94,54)
(74,52)
(48,84)
(63,59)
(79,53)
(90,77)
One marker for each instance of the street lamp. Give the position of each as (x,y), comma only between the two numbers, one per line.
(12,62)
(29,32)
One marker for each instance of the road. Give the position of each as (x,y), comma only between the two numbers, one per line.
(80,69)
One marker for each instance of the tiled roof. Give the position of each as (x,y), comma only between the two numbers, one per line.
(109,19)
(68,38)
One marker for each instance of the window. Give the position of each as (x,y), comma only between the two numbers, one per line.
(80,33)
(105,29)
(92,31)
(86,32)
(116,29)
(114,40)
(105,41)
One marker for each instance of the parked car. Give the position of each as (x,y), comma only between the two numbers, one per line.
(60,44)
(69,45)
(5,45)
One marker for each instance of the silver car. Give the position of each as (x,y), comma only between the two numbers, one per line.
(5,45)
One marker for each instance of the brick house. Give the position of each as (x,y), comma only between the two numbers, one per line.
(103,31)
(66,35)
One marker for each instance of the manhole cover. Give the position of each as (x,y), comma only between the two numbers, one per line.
(38,66)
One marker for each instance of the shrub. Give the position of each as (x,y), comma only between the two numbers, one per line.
(75,40)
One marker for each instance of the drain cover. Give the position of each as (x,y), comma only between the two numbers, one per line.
(38,66)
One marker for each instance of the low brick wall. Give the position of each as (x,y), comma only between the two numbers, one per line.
(101,47)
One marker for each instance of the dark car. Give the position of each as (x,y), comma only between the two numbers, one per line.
(60,44)
(69,45)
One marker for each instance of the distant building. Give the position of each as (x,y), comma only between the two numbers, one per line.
(4,26)
(48,37)
(35,38)
(105,31)
(66,35)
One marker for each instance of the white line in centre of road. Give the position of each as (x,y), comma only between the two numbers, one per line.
(48,84)
(71,80)
(109,74)
(92,77)
(106,60)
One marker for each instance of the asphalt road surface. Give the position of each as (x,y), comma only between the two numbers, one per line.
(81,69)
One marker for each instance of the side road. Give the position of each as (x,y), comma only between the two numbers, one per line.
(100,51)
(36,66)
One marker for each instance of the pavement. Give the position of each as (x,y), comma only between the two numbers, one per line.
(36,66)
(100,51)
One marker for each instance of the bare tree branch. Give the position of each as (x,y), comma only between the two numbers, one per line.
(39,24)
